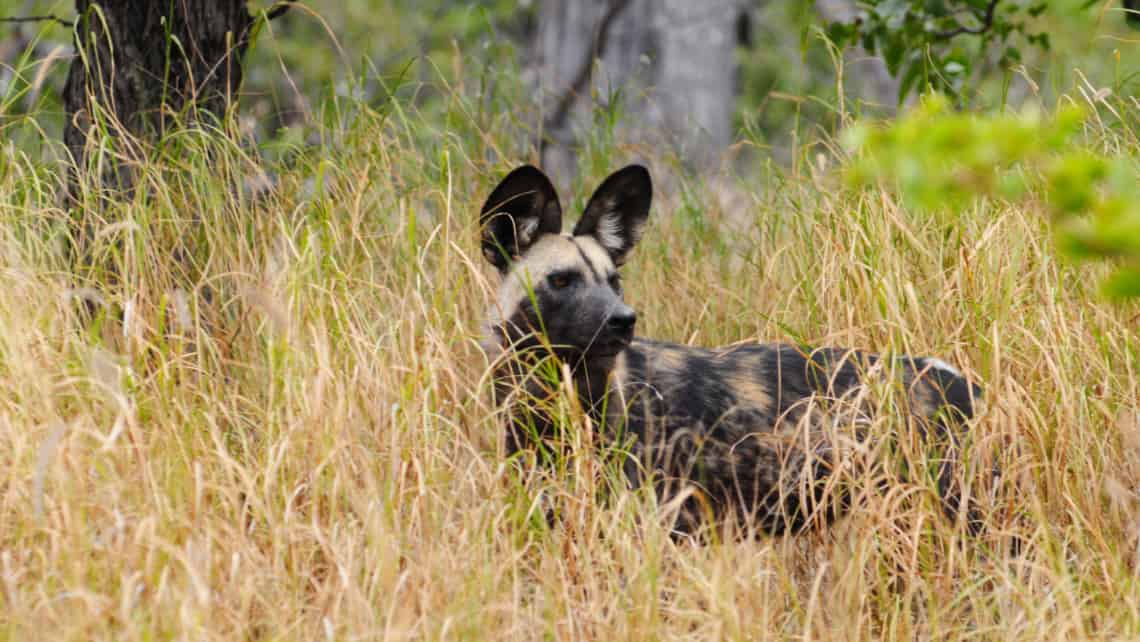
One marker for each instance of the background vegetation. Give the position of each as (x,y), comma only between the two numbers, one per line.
(271,418)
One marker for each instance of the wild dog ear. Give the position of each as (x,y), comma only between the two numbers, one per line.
(522,208)
(616,213)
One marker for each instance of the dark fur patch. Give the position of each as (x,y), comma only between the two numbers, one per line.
(587,262)
(729,425)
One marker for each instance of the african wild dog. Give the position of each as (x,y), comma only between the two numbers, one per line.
(752,431)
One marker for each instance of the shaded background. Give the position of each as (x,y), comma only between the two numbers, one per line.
(696,78)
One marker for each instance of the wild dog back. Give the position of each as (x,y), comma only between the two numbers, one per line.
(753,431)
(754,428)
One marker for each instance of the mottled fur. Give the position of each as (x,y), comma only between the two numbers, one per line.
(753,431)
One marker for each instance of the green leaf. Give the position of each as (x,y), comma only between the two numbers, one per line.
(893,55)
(841,33)
(1123,284)
(953,68)
(909,80)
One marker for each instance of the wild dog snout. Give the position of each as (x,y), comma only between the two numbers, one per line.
(621,321)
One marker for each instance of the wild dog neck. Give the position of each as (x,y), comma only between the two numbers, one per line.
(593,377)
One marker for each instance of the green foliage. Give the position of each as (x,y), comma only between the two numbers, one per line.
(942,159)
(786,84)
(926,44)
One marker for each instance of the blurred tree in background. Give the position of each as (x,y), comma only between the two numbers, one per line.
(671,63)
(667,73)
(922,42)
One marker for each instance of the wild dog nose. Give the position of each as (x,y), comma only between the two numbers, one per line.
(622,320)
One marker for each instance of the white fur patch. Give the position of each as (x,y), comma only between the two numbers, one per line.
(943,366)
(526,231)
(609,231)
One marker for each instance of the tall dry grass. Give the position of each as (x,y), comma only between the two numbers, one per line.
(276,423)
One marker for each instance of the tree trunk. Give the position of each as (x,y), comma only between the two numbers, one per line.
(563,36)
(672,60)
(141,61)
(697,75)
(566,37)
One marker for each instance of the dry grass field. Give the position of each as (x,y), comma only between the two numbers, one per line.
(277,423)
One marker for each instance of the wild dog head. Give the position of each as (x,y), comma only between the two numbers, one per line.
(563,289)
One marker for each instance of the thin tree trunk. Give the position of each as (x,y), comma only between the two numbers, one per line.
(697,75)
(672,60)
(566,46)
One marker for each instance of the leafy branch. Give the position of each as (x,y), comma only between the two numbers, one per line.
(46,18)
(987,22)
(921,41)
(940,159)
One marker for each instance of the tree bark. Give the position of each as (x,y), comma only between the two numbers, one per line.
(672,60)
(566,32)
(140,62)
(697,75)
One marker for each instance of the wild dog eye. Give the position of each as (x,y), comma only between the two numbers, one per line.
(560,280)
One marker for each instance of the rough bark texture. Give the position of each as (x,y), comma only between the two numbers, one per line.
(142,60)
(672,60)
(696,78)
(565,32)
